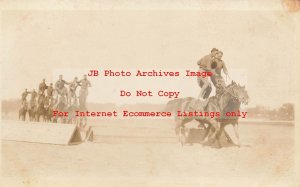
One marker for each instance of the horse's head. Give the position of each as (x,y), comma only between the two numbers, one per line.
(238,93)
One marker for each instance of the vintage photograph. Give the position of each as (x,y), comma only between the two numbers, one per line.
(182,93)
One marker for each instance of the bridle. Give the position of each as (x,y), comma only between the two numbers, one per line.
(228,90)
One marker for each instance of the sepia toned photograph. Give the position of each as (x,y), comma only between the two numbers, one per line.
(171,93)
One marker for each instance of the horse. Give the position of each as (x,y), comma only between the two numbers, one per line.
(72,113)
(219,103)
(60,105)
(40,111)
(22,111)
(48,105)
(32,111)
(240,95)
(190,104)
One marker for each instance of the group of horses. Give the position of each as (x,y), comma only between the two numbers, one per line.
(41,109)
(229,100)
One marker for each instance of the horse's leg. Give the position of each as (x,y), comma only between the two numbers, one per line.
(85,122)
(182,131)
(228,138)
(214,123)
(236,132)
(205,137)
(177,126)
(218,135)
(182,137)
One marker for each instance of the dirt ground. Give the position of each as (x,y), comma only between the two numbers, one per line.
(146,153)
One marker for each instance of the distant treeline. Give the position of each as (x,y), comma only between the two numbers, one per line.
(285,112)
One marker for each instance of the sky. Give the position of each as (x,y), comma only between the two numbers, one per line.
(259,50)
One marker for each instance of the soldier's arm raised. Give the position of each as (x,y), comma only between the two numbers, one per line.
(68,83)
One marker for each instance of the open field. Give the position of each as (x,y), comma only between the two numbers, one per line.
(147,153)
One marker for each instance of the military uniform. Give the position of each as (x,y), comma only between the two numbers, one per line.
(72,91)
(24,97)
(84,83)
(204,66)
(50,91)
(60,87)
(42,87)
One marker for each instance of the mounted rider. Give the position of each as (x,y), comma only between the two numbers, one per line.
(24,97)
(42,86)
(205,66)
(217,78)
(34,95)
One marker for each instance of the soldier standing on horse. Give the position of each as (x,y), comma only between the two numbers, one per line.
(60,86)
(42,86)
(204,66)
(217,78)
(72,90)
(84,83)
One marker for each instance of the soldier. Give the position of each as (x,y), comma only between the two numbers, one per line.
(42,86)
(60,86)
(33,96)
(24,97)
(41,99)
(220,65)
(50,90)
(217,78)
(84,83)
(72,90)
(205,65)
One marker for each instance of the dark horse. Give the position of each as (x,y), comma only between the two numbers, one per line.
(40,111)
(32,111)
(48,105)
(22,111)
(231,98)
